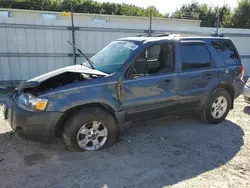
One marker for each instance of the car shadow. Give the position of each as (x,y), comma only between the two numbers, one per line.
(153,154)
(247,110)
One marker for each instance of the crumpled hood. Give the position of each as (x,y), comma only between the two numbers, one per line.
(34,82)
(73,68)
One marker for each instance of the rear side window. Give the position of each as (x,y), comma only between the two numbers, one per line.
(227,52)
(195,56)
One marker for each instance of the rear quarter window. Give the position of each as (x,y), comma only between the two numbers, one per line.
(227,52)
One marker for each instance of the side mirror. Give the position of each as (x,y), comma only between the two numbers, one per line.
(146,54)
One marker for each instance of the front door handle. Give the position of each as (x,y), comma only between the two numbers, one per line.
(226,71)
(207,76)
(166,81)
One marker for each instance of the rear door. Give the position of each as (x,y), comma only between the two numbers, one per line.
(197,73)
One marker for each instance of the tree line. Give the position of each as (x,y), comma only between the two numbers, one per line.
(209,16)
(81,6)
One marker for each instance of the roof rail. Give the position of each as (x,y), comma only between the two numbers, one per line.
(217,35)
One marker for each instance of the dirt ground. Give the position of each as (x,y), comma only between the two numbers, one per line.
(179,152)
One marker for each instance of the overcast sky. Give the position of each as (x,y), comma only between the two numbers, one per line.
(168,6)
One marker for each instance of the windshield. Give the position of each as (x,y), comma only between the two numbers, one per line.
(113,56)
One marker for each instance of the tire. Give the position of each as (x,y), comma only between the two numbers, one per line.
(81,119)
(207,113)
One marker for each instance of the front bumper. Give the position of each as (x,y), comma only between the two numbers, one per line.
(33,125)
(246,93)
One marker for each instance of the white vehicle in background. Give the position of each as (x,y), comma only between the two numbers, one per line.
(246,91)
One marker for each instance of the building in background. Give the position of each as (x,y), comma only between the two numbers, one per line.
(35,42)
(97,18)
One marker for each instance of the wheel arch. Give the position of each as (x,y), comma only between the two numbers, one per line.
(69,112)
(228,88)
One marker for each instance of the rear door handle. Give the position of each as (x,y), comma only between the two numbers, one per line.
(207,76)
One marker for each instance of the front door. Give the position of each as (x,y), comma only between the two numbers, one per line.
(149,87)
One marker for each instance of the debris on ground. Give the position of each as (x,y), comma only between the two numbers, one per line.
(194,155)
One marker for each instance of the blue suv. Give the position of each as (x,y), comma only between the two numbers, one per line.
(129,80)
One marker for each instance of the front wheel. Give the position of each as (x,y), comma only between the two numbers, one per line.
(217,107)
(90,129)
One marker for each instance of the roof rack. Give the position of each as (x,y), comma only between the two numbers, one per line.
(217,34)
(143,35)
(162,34)
(178,34)
(154,35)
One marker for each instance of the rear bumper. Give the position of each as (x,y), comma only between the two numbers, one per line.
(238,88)
(33,125)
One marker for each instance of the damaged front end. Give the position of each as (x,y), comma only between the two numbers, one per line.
(58,78)
(28,92)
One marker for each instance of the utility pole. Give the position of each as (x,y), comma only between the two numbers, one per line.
(73,34)
(150,23)
(217,23)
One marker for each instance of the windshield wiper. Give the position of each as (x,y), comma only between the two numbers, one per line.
(89,61)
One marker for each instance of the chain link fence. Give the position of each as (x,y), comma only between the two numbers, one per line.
(35,42)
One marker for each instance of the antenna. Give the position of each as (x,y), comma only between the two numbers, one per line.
(90,62)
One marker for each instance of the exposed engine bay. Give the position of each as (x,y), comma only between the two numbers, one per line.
(60,80)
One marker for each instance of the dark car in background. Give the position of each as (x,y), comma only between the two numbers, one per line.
(130,80)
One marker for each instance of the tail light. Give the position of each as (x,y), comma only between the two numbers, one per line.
(242,71)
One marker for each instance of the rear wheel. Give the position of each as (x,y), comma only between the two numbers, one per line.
(217,107)
(90,129)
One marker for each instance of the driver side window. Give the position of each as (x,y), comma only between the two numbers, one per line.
(157,59)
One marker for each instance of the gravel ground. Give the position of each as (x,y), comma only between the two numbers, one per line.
(179,152)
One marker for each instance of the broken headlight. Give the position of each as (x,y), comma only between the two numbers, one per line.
(32,103)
